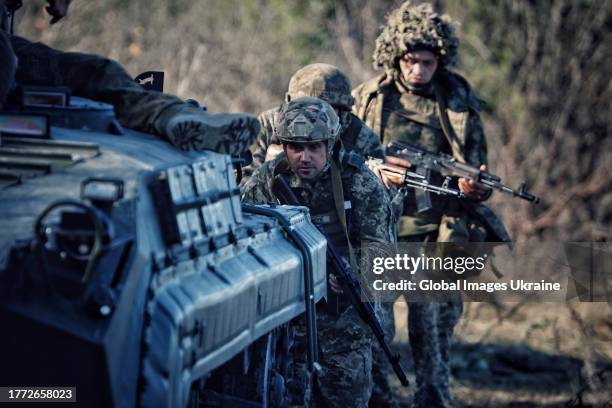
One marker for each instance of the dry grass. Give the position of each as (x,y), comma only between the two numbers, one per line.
(527,355)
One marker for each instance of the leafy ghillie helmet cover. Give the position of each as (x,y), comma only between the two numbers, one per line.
(411,28)
(308,120)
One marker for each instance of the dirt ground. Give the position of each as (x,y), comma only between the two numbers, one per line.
(524,355)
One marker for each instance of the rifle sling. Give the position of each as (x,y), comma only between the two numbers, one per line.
(447,129)
(338,193)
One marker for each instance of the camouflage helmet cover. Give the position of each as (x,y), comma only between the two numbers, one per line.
(323,81)
(308,120)
(411,28)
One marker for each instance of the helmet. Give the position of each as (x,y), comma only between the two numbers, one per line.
(323,81)
(308,120)
(411,28)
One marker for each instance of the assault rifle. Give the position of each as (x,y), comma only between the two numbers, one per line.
(349,282)
(448,167)
(419,180)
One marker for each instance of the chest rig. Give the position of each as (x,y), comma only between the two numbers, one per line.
(331,211)
(318,197)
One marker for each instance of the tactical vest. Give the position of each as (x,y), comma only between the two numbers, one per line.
(326,217)
(436,123)
(371,97)
(330,224)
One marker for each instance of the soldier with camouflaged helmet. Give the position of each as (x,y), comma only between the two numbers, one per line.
(329,83)
(420,100)
(91,76)
(320,173)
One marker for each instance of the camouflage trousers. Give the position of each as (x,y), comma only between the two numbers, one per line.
(345,356)
(382,394)
(92,76)
(431,326)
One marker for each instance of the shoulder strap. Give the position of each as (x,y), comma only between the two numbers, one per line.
(447,129)
(338,193)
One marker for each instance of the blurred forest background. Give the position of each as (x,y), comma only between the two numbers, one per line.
(543,67)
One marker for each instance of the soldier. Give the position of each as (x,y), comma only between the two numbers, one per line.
(418,99)
(329,83)
(321,173)
(186,126)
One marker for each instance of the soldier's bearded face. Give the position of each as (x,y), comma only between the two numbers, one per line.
(418,67)
(307,160)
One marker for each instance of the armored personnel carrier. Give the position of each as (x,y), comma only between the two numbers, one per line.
(131,271)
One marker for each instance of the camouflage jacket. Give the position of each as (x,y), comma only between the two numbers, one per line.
(462,107)
(370,216)
(357,138)
(398,114)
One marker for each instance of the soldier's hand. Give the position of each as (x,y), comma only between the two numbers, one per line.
(57,9)
(398,162)
(473,189)
(334,285)
(391,172)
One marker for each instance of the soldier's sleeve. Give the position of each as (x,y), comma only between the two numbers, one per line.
(92,76)
(371,222)
(260,147)
(258,188)
(372,217)
(370,143)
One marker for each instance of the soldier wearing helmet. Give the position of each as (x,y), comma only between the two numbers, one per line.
(329,83)
(420,100)
(320,172)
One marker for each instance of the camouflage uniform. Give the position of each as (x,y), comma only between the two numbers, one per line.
(397,111)
(329,83)
(333,86)
(345,342)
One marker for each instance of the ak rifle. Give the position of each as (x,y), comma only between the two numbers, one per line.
(448,167)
